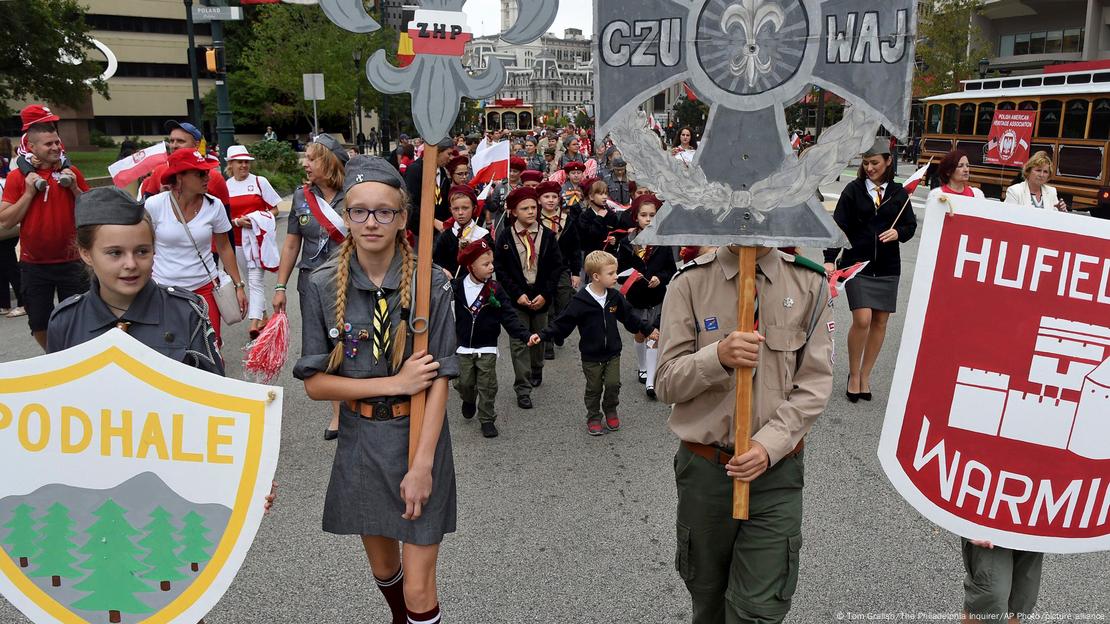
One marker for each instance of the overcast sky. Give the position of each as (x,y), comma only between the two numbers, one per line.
(484,16)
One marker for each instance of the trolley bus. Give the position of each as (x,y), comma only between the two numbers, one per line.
(510,115)
(1072,125)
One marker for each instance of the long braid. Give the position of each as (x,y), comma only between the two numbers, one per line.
(342,280)
(408,266)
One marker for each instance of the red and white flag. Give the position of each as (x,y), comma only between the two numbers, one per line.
(838,278)
(653,123)
(630,277)
(911,182)
(491,163)
(127,170)
(795,141)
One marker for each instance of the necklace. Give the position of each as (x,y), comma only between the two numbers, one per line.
(114,307)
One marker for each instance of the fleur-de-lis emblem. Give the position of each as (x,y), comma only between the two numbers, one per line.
(751,16)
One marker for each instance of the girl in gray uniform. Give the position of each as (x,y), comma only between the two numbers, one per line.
(357,350)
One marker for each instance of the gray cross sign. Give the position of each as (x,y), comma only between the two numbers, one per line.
(748,59)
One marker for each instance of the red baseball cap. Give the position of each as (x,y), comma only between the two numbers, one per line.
(36,114)
(188,160)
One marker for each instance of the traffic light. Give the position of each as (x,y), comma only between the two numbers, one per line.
(210,60)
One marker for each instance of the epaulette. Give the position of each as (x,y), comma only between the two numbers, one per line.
(182,293)
(702,260)
(804,262)
(68,302)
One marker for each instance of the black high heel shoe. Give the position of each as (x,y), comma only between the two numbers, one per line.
(866,396)
(853,397)
(331,434)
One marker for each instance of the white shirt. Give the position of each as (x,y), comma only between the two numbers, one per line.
(253,185)
(476,232)
(600,299)
(471,289)
(176,262)
(871,186)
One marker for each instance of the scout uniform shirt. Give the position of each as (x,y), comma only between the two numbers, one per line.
(316,246)
(528,249)
(172,321)
(793,380)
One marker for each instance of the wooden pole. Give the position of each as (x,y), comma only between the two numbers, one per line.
(422,303)
(745,286)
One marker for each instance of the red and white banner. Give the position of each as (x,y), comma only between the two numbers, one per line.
(1011,132)
(442,33)
(140,163)
(998,423)
(490,164)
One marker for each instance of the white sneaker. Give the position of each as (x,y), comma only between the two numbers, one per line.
(16,312)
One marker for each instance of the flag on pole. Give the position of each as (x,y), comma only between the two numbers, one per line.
(140,163)
(795,141)
(689,93)
(653,123)
(490,164)
(838,278)
(911,182)
(630,277)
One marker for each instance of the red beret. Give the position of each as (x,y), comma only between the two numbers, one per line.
(520,194)
(632,187)
(587,183)
(455,162)
(470,252)
(516,163)
(36,114)
(646,198)
(574,165)
(549,187)
(531,175)
(462,189)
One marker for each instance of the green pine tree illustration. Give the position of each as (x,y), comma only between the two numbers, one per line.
(114,565)
(192,538)
(21,535)
(56,560)
(160,542)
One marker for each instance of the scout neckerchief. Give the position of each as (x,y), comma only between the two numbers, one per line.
(555,222)
(325,215)
(382,337)
(529,241)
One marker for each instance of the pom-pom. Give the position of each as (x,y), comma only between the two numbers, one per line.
(266,354)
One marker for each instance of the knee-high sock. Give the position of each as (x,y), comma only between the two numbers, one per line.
(394,591)
(641,361)
(431,617)
(651,357)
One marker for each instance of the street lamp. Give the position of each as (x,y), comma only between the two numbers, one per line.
(984,66)
(356,55)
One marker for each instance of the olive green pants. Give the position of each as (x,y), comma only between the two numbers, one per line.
(477,382)
(603,386)
(527,360)
(1001,583)
(738,571)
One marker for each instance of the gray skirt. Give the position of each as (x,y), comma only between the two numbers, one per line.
(877,293)
(364,493)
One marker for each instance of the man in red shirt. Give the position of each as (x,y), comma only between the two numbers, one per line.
(49,264)
(184,135)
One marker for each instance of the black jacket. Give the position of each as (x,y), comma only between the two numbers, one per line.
(414,180)
(482,329)
(599,337)
(569,245)
(862,223)
(657,262)
(445,253)
(593,230)
(549,267)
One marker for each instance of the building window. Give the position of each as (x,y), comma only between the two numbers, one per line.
(1041,42)
(1006,45)
(1021,44)
(1075,119)
(1073,40)
(155,25)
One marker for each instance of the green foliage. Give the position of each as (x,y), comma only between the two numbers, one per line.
(193,539)
(949,45)
(283,183)
(691,113)
(114,565)
(275,156)
(160,541)
(100,139)
(32,34)
(138,143)
(21,532)
(56,558)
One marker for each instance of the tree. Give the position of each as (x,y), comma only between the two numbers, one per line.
(692,113)
(21,534)
(160,542)
(35,39)
(113,560)
(56,560)
(194,541)
(949,45)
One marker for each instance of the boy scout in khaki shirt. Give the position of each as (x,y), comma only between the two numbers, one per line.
(743,571)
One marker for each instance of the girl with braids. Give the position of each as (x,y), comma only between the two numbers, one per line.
(358,350)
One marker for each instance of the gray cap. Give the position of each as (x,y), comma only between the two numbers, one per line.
(371,169)
(107,205)
(333,146)
(881,146)
(446,144)
(618,162)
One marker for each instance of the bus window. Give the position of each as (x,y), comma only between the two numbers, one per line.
(1080,161)
(937,145)
(1049,125)
(509,120)
(1007,105)
(493,121)
(986,117)
(1100,120)
(950,113)
(973,149)
(933,126)
(525,121)
(967,119)
(1075,119)
(1028,105)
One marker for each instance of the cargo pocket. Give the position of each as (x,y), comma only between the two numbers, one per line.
(776,369)
(682,553)
(790,581)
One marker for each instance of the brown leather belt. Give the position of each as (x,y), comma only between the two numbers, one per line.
(373,410)
(719,455)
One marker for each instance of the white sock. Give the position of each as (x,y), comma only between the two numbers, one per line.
(652,357)
(641,357)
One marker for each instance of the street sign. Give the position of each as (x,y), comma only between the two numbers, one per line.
(313,86)
(205,14)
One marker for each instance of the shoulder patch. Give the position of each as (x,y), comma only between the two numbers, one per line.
(702,260)
(804,262)
(68,302)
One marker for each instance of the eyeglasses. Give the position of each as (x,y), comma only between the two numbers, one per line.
(383,216)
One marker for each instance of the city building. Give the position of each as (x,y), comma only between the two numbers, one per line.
(1026,35)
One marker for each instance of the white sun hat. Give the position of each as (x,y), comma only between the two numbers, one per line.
(238,152)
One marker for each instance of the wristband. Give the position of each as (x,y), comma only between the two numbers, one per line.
(280,288)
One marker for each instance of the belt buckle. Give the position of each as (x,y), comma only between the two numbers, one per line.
(382,412)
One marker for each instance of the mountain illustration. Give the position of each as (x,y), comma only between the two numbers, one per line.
(111,555)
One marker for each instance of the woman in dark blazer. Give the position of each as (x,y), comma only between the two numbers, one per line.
(875,215)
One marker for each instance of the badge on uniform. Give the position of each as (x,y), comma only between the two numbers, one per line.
(303,219)
(711,324)
(832,326)
(788,303)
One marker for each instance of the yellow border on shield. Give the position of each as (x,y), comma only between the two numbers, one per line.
(256,409)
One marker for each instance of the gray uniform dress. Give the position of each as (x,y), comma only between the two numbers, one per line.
(172,321)
(364,493)
(316,245)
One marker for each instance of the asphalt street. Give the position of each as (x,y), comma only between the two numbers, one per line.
(558,527)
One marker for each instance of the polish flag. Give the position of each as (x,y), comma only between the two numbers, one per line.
(689,92)
(490,164)
(911,182)
(795,141)
(630,277)
(838,278)
(138,164)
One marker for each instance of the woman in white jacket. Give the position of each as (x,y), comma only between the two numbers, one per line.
(1035,191)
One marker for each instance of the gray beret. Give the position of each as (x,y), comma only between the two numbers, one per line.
(881,146)
(107,205)
(371,169)
(446,144)
(334,146)
(619,162)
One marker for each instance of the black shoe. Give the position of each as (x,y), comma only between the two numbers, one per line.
(549,352)
(468,410)
(651,393)
(536,379)
(641,376)
(853,397)
(489,430)
(866,396)
(558,343)
(524,402)
(331,434)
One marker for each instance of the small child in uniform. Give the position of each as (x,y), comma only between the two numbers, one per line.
(600,339)
(562,222)
(597,222)
(460,230)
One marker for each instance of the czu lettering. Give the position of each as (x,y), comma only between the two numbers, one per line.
(860,41)
(658,43)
